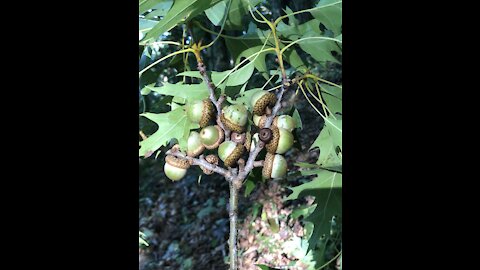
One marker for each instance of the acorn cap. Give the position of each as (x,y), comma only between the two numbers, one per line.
(261,100)
(234,117)
(208,113)
(194,144)
(272,145)
(248,141)
(177,162)
(281,142)
(274,166)
(212,159)
(230,153)
(175,168)
(211,136)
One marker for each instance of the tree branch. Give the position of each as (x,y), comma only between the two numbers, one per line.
(202,162)
(211,88)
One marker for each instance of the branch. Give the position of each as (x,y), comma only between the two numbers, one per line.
(211,87)
(202,162)
(258,163)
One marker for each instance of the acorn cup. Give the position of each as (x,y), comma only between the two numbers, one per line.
(175,168)
(230,152)
(261,100)
(201,112)
(211,136)
(274,166)
(212,159)
(281,141)
(234,117)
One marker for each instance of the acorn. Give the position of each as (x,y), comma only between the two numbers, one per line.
(230,152)
(211,136)
(212,159)
(234,117)
(274,166)
(201,112)
(175,168)
(260,100)
(281,141)
(285,121)
(194,144)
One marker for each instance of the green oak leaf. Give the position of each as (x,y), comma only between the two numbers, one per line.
(171,125)
(180,90)
(326,188)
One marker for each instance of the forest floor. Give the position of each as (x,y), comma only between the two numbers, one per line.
(186,222)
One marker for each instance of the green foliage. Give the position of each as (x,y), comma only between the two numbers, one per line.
(174,124)
(180,11)
(330,14)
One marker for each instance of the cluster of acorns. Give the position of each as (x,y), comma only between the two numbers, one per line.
(234,118)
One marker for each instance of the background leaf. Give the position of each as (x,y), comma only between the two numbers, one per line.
(181,10)
(330,15)
(216,13)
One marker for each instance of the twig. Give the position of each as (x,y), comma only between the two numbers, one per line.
(202,162)
(211,87)
(258,163)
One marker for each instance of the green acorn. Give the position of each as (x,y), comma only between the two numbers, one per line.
(175,168)
(260,100)
(201,112)
(285,121)
(194,144)
(230,152)
(234,117)
(211,136)
(274,166)
(280,142)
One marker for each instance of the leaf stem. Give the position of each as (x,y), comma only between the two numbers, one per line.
(304,10)
(163,58)
(307,38)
